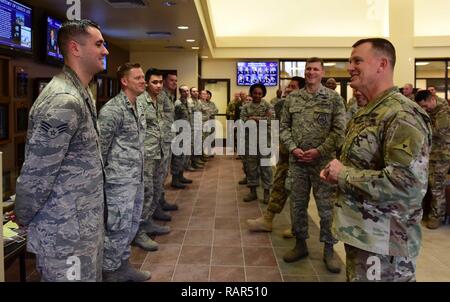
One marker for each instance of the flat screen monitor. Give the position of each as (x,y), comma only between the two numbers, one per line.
(249,73)
(16,26)
(52,50)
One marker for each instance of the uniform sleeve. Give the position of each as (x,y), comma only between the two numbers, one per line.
(109,120)
(336,137)
(47,145)
(405,154)
(245,113)
(285,128)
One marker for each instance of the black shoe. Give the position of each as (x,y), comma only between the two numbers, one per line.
(184,180)
(169,206)
(176,183)
(161,215)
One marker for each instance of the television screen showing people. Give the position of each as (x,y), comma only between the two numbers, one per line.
(249,73)
(53,26)
(15,25)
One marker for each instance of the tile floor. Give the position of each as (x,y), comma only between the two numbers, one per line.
(210,241)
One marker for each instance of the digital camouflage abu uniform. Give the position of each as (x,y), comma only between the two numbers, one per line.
(379,206)
(153,163)
(196,128)
(255,169)
(312,121)
(60,189)
(182,113)
(439,159)
(209,111)
(168,117)
(122,134)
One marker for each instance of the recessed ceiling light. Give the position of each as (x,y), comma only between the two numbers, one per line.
(195,47)
(169,3)
(204,57)
(329,64)
(183,27)
(190,40)
(422,63)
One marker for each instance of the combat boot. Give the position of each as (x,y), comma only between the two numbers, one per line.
(300,251)
(184,180)
(176,183)
(145,242)
(433,223)
(197,165)
(331,260)
(252,195)
(152,228)
(159,214)
(243,181)
(261,224)
(126,273)
(190,168)
(266,196)
(167,206)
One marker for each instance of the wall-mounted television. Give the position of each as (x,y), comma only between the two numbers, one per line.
(16,27)
(52,52)
(249,73)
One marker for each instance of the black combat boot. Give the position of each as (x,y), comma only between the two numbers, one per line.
(176,182)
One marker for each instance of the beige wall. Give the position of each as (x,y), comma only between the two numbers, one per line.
(226,69)
(186,63)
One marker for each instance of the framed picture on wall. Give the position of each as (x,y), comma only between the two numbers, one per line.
(20,82)
(21,116)
(39,85)
(4,121)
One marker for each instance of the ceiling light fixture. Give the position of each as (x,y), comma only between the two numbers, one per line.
(190,40)
(329,64)
(183,27)
(169,3)
(195,47)
(204,57)
(422,63)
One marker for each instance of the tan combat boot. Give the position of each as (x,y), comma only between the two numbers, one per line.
(287,233)
(252,195)
(331,260)
(298,252)
(433,223)
(261,224)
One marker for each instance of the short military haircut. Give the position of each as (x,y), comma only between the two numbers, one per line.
(209,93)
(168,73)
(124,69)
(422,95)
(71,30)
(190,90)
(180,89)
(258,85)
(301,81)
(314,60)
(150,72)
(428,86)
(382,46)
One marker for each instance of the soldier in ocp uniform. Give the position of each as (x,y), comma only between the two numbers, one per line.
(258,110)
(439,156)
(60,189)
(312,130)
(383,172)
(439,100)
(122,132)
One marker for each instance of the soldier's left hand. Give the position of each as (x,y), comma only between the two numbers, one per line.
(331,171)
(311,155)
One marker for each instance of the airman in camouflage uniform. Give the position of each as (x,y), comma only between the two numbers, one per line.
(439,156)
(209,111)
(312,129)
(278,196)
(195,105)
(231,107)
(153,164)
(382,175)
(258,110)
(122,133)
(182,112)
(439,100)
(60,189)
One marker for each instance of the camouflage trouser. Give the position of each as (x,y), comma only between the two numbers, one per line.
(65,269)
(279,195)
(364,266)
(165,167)
(437,180)
(301,177)
(152,191)
(255,170)
(244,164)
(125,203)
(178,164)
